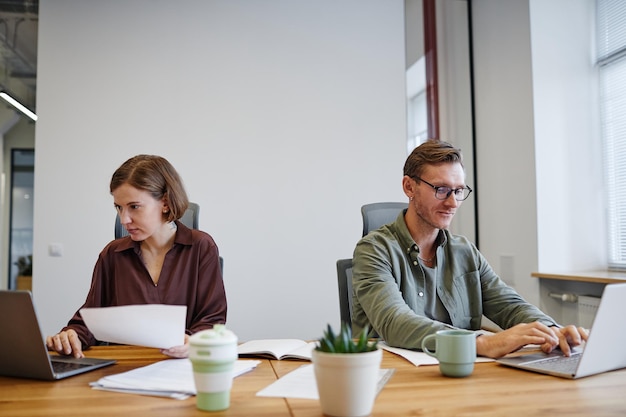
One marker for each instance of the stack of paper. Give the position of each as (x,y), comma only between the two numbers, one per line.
(172,378)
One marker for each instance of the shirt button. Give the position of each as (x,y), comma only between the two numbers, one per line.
(414,262)
(421,294)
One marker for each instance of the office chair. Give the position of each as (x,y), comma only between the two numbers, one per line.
(376,215)
(189,219)
(344,281)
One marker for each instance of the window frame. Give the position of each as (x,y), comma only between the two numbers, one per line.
(611,63)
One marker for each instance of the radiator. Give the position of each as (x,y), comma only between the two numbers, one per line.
(587,308)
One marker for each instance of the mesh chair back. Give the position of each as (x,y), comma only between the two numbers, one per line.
(376,215)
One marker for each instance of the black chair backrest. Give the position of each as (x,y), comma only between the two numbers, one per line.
(376,215)
(344,281)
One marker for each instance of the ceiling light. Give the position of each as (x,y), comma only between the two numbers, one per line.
(18,105)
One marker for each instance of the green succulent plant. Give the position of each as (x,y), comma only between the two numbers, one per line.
(343,342)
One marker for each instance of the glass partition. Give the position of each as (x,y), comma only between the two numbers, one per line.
(21,218)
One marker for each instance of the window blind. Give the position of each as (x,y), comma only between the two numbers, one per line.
(611,48)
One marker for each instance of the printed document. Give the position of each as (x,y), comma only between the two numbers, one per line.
(172,378)
(150,325)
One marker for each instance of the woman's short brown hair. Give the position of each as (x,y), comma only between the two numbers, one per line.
(158,177)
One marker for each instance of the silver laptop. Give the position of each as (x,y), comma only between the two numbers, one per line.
(604,350)
(23,352)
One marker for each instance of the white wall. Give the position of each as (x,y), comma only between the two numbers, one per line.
(414,31)
(504,140)
(538,156)
(283,117)
(571,218)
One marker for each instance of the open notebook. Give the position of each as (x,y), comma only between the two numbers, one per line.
(604,350)
(23,352)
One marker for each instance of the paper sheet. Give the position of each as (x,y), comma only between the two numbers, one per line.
(300,383)
(171,378)
(420,358)
(150,325)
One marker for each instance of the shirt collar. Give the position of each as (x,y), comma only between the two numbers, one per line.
(404,236)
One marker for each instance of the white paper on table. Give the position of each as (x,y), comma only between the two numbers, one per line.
(150,325)
(420,358)
(300,383)
(171,378)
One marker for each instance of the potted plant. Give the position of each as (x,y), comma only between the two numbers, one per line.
(346,372)
(24,272)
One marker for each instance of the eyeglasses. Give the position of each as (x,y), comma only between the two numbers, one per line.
(443,193)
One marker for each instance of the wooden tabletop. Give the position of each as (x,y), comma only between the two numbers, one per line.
(492,390)
(73,397)
(599,277)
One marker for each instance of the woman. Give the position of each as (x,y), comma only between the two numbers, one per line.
(161,261)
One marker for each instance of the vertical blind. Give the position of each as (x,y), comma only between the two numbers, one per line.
(611,60)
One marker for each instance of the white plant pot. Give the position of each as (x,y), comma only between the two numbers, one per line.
(346,382)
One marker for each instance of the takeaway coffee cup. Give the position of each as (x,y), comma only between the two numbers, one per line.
(213,354)
(454,349)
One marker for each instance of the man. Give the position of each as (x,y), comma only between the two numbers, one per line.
(413,277)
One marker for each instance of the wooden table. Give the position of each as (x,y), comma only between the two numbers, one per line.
(492,390)
(597,277)
(74,397)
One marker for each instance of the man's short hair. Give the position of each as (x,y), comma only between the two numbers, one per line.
(431,152)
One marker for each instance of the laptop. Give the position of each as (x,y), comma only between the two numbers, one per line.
(603,352)
(23,352)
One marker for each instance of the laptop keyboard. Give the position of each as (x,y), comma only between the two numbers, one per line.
(62,366)
(565,364)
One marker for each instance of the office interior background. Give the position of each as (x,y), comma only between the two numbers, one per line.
(285,117)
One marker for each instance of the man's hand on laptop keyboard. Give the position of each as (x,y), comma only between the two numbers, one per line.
(568,337)
(512,339)
(66,343)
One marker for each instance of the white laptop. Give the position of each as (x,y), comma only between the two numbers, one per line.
(605,348)
(23,352)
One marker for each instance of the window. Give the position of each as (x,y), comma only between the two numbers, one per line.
(21,218)
(417,114)
(611,44)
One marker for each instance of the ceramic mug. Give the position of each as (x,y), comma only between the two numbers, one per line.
(454,349)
